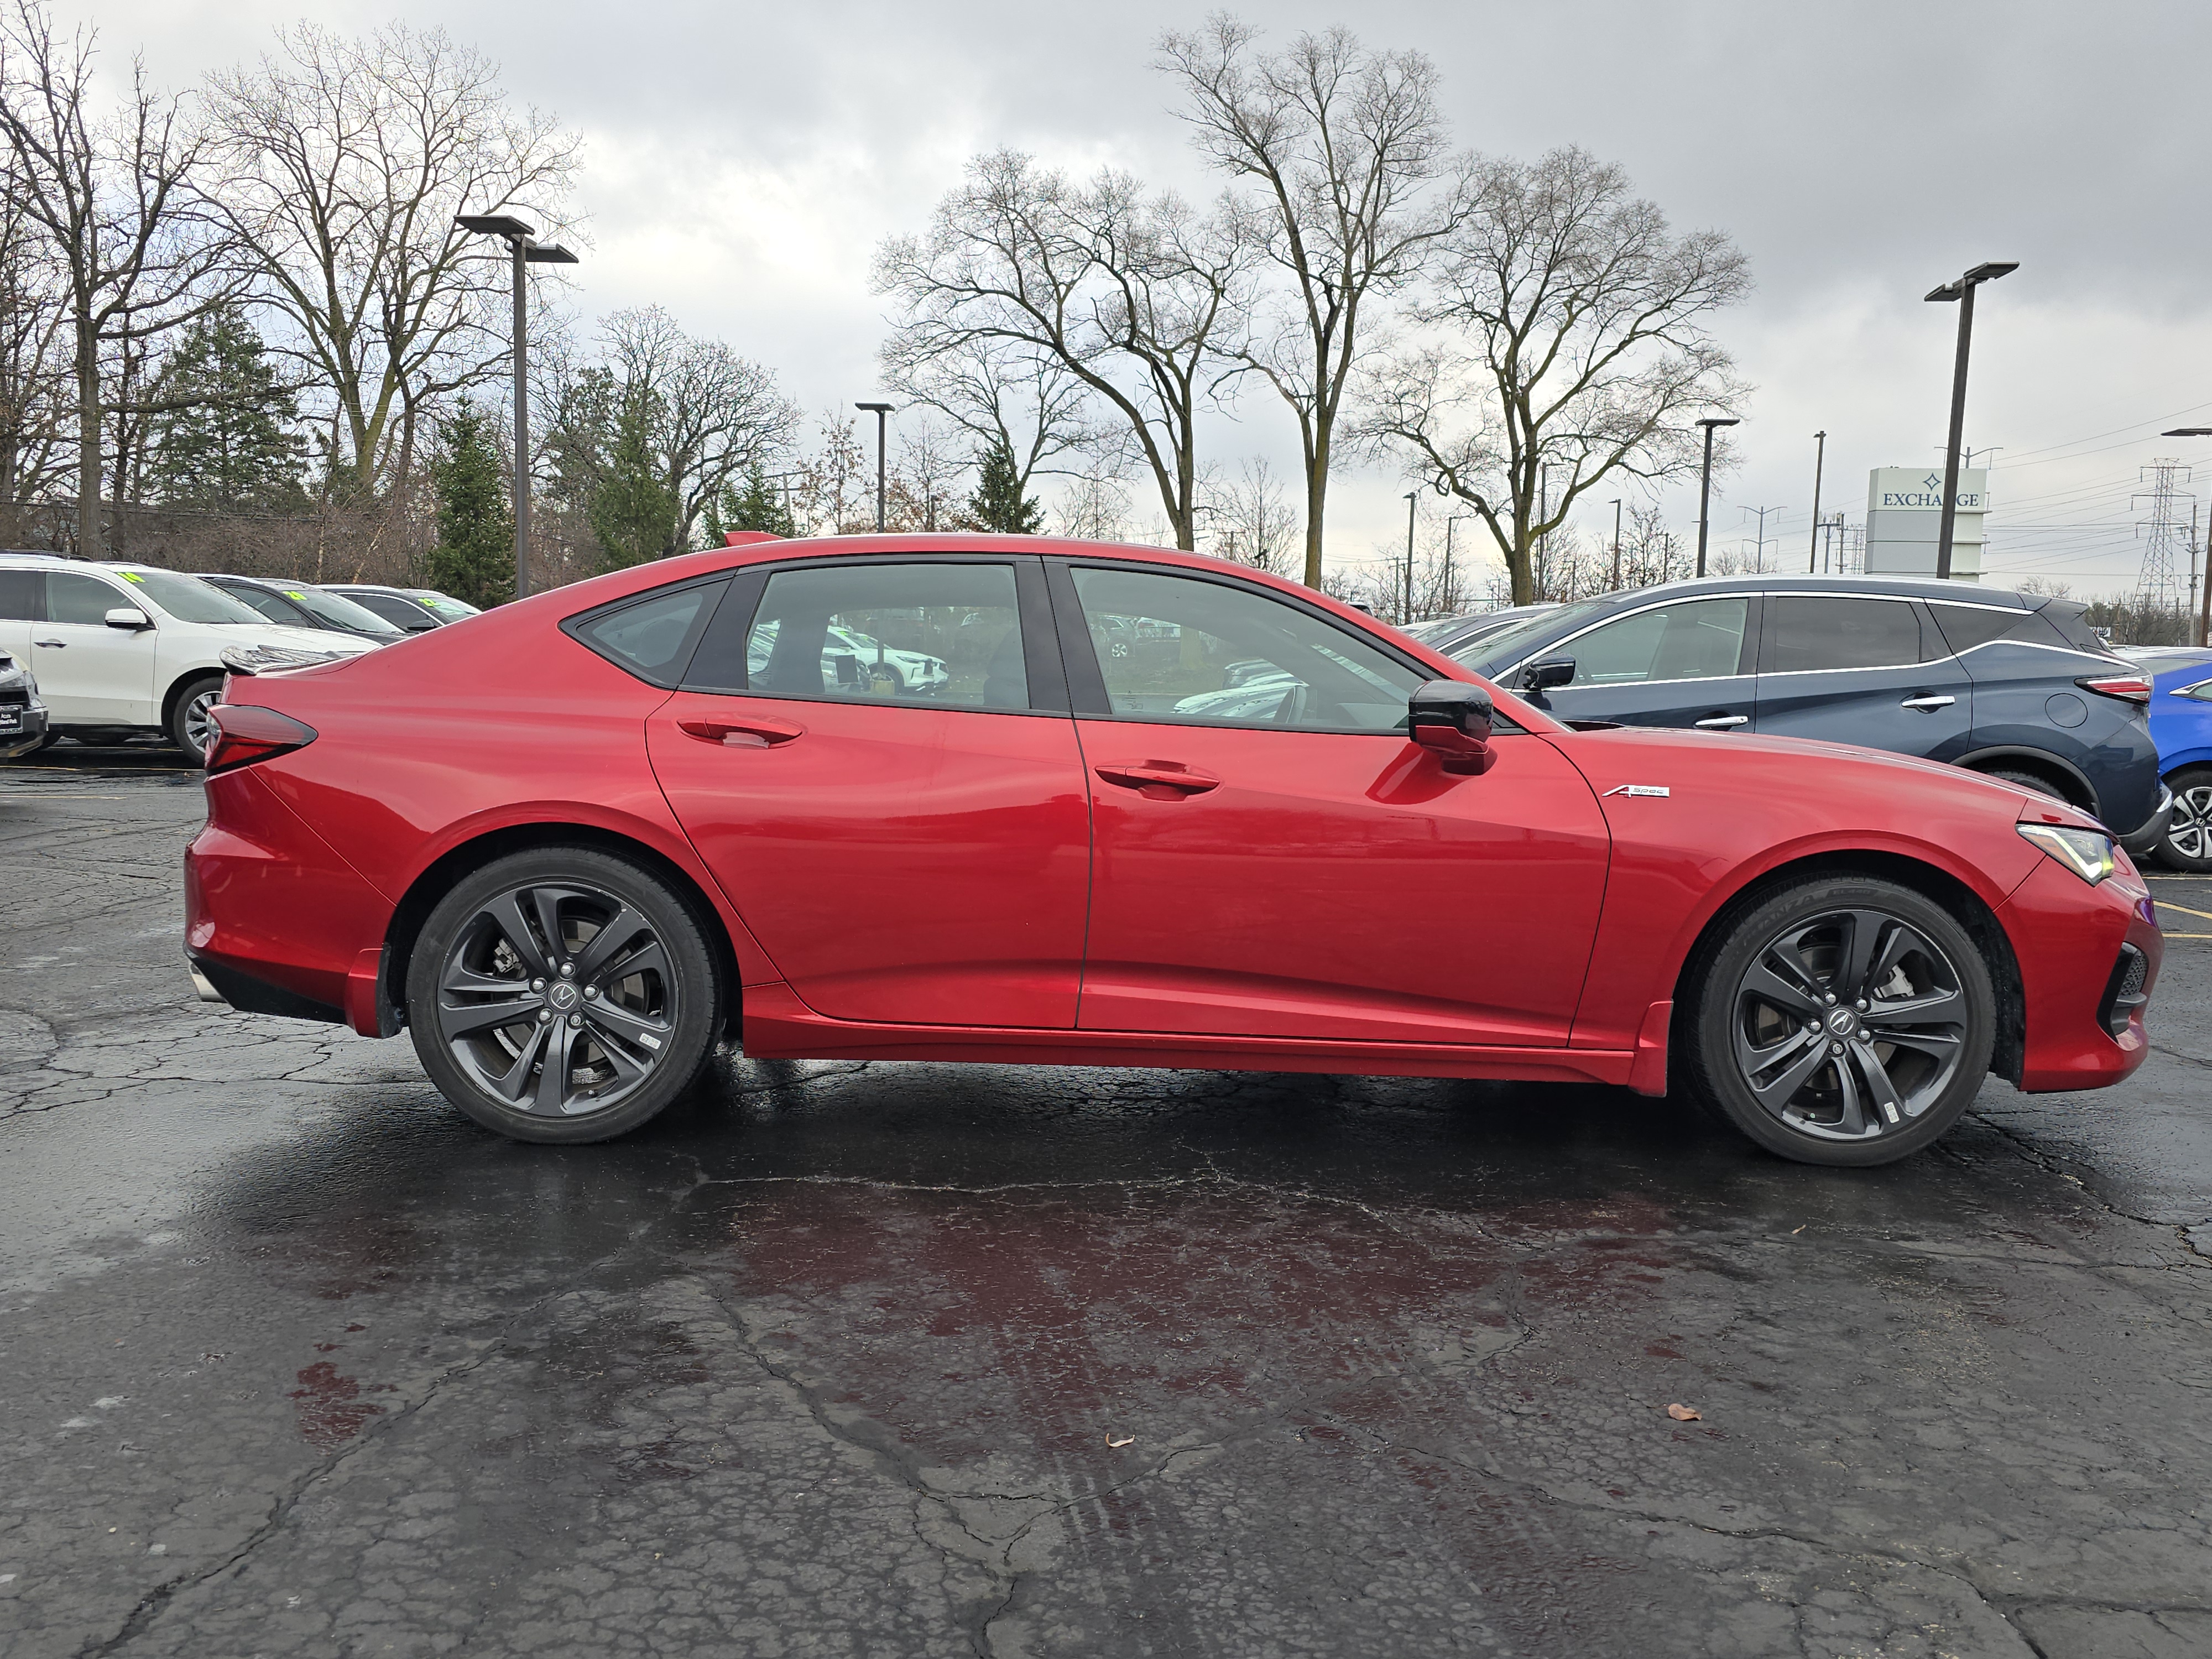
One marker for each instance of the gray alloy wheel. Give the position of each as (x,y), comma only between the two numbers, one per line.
(1844,1021)
(564,995)
(190,728)
(2187,843)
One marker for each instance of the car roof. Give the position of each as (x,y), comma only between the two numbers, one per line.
(1918,587)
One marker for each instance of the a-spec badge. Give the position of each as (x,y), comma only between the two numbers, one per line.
(1658,789)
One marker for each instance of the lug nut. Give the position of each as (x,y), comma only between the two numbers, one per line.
(1862,1005)
(545,1014)
(536,984)
(566,969)
(591,990)
(1831,996)
(1835,1048)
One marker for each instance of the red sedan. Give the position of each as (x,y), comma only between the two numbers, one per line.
(1019,800)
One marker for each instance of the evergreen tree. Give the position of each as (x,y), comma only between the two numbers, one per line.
(757,506)
(225,443)
(474,559)
(998,503)
(634,510)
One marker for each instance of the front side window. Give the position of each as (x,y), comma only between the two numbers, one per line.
(403,614)
(1807,633)
(1698,640)
(268,605)
(340,611)
(948,634)
(652,636)
(1183,648)
(83,599)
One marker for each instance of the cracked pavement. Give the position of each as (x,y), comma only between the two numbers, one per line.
(871,1359)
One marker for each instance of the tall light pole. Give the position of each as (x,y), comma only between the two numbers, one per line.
(1820,459)
(1616,545)
(879,410)
(1962,292)
(1450,520)
(1413,497)
(2204,603)
(521,240)
(1706,483)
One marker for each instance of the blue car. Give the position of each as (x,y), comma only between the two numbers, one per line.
(2181,725)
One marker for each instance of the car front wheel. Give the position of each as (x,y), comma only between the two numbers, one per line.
(561,995)
(1842,1020)
(2186,846)
(190,726)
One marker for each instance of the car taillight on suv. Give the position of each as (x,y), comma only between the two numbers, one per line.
(246,732)
(2128,687)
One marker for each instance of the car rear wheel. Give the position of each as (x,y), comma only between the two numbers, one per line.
(2187,843)
(562,995)
(190,726)
(1843,1020)
(2028,780)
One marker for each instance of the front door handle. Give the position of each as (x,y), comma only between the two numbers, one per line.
(1927,704)
(1723,722)
(53,645)
(1158,780)
(750,731)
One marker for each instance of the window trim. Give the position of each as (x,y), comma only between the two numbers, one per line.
(1087,682)
(1918,622)
(1040,662)
(1755,624)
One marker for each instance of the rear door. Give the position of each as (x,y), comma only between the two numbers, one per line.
(902,824)
(89,673)
(1686,662)
(1861,668)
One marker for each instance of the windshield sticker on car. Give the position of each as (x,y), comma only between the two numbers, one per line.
(290,594)
(130,577)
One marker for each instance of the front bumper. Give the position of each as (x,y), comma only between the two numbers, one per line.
(2066,936)
(2154,827)
(26,733)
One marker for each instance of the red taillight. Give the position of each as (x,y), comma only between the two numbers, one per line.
(2127,686)
(246,732)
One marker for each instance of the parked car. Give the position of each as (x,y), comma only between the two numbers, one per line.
(2012,686)
(23,715)
(2181,724)
(126,648)
(416,609)
(1452,634)
(571,847)
(302,604)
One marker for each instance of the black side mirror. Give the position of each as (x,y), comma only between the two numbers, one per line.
(1551,671)
(1453,719)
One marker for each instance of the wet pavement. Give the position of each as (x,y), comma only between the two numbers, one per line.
(920,1359)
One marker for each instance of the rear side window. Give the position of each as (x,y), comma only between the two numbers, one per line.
(652,636)
(22,596)
(1698,640)
(1965,626)
(2070,623)
(1807,633)
(400,613)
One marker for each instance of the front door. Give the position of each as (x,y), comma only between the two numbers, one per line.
(89,673)
(1863,669)
(1274,859)
(1687,663)
(875,760)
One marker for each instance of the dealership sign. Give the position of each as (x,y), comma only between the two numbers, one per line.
(1904,517)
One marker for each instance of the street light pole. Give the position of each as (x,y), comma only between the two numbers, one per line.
(1406,615)
(2204,603)
(521,240)
(1450,520)
(1819,460)
(1962,292)
(1616,546)
(1706,483)
(879,410)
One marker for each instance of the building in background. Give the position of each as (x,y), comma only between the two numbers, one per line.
(1905,516)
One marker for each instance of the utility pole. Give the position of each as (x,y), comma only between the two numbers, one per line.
(1758,559)
(1616,545)
(1819,460)
(1404,615)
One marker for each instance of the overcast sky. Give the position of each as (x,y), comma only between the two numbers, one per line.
(743,160)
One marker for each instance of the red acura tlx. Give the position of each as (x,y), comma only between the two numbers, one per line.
(1019,800)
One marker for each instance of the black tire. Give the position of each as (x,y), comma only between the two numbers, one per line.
(2186,846)
(1778,996)
(629,1040)
(188,716)
(2026,780)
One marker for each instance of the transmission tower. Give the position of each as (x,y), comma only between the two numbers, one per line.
(2165,533)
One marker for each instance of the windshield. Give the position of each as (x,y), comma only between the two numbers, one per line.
(190,599)
(1428,632)
(439,604)
(1504,648)
(340,611)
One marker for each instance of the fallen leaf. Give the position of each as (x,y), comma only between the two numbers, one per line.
(1125,1440)
(1794,1231)
(1684,1415)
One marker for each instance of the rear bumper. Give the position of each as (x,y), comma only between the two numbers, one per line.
(2145,837)
(2067,937)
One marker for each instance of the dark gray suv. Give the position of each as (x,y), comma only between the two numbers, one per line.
(2012,684)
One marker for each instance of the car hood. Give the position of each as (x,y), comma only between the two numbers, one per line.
(1765,765)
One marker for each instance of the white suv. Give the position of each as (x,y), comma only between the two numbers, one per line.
(127,647)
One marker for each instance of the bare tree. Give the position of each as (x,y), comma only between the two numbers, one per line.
(36,387)
(1001,392)
(1342,144)
(344,162)
(1570,335)
(834,481)
(1253,523)
(113,196)
(1129,293)
(925,477)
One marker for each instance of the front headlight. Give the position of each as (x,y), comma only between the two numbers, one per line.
(2086,852)
(267,659)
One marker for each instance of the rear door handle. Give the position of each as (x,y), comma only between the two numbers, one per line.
(1927,704)
(1159,779)
(752,733)
(53,645)
(1723,722)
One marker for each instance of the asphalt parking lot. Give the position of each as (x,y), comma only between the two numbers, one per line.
(913,1359)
